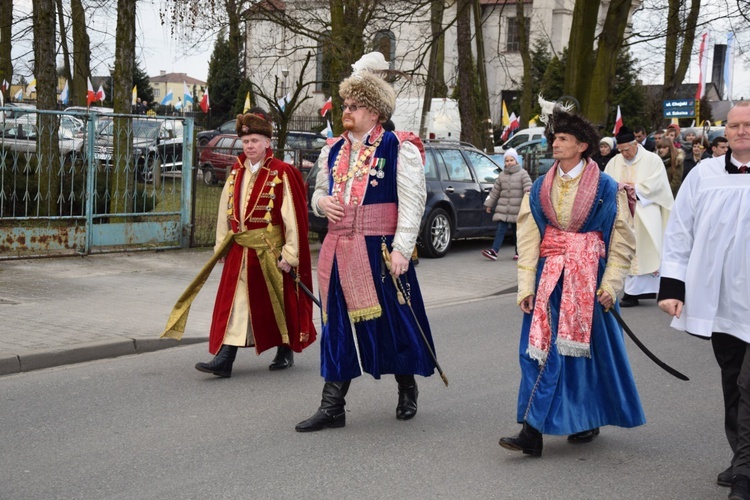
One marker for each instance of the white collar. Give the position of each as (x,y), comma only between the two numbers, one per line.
(574,172)
(364,137)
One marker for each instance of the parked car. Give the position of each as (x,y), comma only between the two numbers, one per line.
(524,135)
(156,142)
(204,137)
(302,150)
(218,157)
(713,132)
(536,151)
(20,135)
(17,109)
(459,177)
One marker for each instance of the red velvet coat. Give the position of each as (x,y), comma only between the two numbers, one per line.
(297,305)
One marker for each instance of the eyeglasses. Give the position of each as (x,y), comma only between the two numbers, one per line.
(351,107)
(698,146)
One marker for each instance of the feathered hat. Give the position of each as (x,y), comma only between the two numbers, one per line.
(562,119)
(256,121)
(368,88)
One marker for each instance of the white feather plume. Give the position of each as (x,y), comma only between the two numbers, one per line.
(548,107)
(373,61)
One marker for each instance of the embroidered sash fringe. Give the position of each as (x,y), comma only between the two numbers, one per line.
(577,255)
(346,242)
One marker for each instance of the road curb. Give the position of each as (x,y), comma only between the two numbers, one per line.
(92,351)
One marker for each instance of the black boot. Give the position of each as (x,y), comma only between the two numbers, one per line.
(331,412)
(407,397)
(284,358)
(584,437)
(628,301)
(529,440)
(221,365)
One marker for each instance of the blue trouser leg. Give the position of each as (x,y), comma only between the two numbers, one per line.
(502,227)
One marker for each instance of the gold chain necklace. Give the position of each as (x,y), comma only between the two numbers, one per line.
(360,168)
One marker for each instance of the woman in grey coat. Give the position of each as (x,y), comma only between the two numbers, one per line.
(505,198)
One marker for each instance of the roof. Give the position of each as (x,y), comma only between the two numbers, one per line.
(175,78)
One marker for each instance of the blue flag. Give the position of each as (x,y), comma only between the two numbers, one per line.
(188,97)
(167,99)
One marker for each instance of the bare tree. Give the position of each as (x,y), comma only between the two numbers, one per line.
(679,32)
(467,104)
(48,148)
(595,101)
(81,53)
(6,45)
(64,41)
(523,41)
(120,182)
(581,47)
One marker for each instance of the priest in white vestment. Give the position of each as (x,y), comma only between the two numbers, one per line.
(646,173)
(705,283)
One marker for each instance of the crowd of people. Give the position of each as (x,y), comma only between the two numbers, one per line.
(612,215)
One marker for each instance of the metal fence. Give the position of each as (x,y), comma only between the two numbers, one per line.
(74,182)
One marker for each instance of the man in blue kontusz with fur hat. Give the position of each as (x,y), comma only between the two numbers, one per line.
(575,243)
(371,187)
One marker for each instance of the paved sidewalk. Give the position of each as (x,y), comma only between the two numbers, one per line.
(58,311)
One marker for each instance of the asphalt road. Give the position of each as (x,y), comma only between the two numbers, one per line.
(150,426)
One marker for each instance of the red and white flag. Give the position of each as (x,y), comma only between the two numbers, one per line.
(100,95)
(618,121)
(326,107)
(702,65)
(90,95)
(205,105)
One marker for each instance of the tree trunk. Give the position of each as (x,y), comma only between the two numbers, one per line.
(581,48)
(6,24)
(235,35)
(347,46)
(121,185)
(595,103)
(47,144)
(466,75)
(485,124)
(64,42)
(431,82)
(81,54)
(527,97)
(674,72)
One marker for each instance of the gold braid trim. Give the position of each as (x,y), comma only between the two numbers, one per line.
(365,314)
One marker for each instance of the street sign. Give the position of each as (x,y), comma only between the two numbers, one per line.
(679,108)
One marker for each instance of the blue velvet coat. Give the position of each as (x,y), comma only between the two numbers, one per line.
(388,344)
(575,394)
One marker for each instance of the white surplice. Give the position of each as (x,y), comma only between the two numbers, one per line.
(707,246)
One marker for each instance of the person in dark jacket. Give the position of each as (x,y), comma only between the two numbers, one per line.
(699,152)
(607,151)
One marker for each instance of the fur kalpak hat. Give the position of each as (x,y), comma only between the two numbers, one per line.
(367,88)
(255,122)
(579,127)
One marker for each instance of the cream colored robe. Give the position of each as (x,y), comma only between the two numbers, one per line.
(649,178)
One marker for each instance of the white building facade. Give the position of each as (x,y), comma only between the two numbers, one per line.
(275,54)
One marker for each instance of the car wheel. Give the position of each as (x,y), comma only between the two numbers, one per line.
(437,233)
(209,178)
(203,142)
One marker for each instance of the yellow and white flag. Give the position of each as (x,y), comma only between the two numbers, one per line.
(135,95)
(248,105)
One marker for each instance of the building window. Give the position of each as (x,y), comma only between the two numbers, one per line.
(385,42)
(513,42)
(157,93)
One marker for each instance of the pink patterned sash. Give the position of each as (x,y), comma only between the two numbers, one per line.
(577,254)
(346,242)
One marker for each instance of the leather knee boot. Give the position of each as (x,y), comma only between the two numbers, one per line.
(407,397)
(221,365)
(284,358)
(331,412)
(529,440)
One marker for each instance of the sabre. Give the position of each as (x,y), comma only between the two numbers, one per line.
(405,297)
(292,274)
(643,348)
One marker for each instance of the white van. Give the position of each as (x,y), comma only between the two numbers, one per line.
(525,135)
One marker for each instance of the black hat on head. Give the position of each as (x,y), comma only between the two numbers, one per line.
(625,135)
(563,122)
